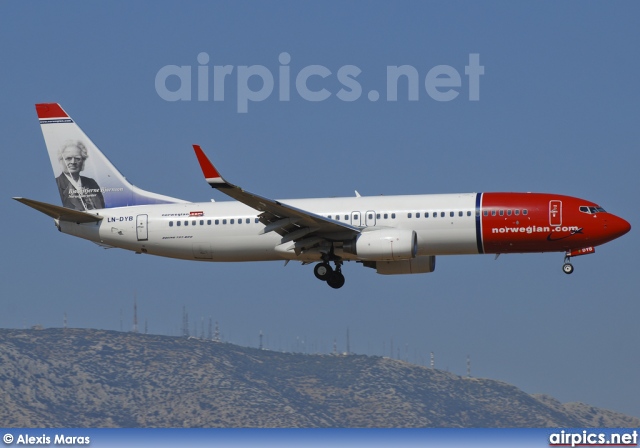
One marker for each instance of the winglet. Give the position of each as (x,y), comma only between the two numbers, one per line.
(210,172)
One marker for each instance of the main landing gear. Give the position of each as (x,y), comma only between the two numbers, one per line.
(567,267)
(334,278)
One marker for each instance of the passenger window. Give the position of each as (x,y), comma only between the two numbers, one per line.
(426,214)
(224,221)
(501,212)
(247,221)
(257,220)
(493,213)
(193,222)
(525,211)
(355,217)
(460,213)
(386,216)
(186,223)
(346,217)
(408,215)
(370,215)
(435,214)
(337,217)
(208,222)
(329,217)
(231,221)
(485,212)
(468,212)
(517,212)
(202,222)
(240,221)
(418,215)
(217,221)
(452,214)
(442,214)
(508,212)
(170,223)
(393,216)
(378,216)
(178,223)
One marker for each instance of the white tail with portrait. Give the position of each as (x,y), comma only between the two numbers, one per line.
(86,179)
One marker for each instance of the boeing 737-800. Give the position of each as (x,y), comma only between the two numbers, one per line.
(392,234)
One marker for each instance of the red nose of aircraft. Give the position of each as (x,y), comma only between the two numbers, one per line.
(615,226)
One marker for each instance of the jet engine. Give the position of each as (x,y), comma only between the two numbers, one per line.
(384,245)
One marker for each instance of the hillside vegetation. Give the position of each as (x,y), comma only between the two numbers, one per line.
(93,378)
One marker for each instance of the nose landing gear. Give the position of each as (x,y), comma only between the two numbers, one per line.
(567,267)
(334,278)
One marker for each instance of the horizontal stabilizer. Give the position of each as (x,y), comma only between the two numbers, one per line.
(60,213)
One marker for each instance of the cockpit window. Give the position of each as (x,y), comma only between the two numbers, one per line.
(591,210)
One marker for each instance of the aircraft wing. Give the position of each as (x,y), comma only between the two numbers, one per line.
(60,213)
(290,222)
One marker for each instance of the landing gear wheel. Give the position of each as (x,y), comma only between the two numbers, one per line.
(323,271)
(336,280)
(567,268)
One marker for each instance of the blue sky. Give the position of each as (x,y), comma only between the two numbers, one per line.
(558,112)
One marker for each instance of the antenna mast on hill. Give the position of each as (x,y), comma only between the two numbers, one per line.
(260,339)
(348,343)
(216,336)
(468,366)
(433,361)
(65,320)
(135,312)
(185,322)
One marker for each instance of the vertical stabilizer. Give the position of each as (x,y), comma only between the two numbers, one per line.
(86,179)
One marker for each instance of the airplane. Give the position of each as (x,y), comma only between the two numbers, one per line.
(391,234)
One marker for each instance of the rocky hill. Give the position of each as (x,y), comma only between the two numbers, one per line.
(92,378)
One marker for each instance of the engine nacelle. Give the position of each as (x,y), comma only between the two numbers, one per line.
(384,245)
(419,265)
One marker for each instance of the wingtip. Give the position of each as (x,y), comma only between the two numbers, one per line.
(210,172)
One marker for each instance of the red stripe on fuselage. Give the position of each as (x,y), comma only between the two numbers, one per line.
(540,222)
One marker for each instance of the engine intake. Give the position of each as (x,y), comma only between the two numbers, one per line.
(384,245)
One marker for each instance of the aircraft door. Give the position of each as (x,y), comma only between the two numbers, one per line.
(355,218)
(141,227)
(555,213)
(370,218)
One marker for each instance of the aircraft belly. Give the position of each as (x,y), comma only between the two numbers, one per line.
(216,248)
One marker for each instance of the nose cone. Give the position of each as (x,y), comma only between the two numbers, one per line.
(616,226)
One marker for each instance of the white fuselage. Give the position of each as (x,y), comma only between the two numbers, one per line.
(230,231)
